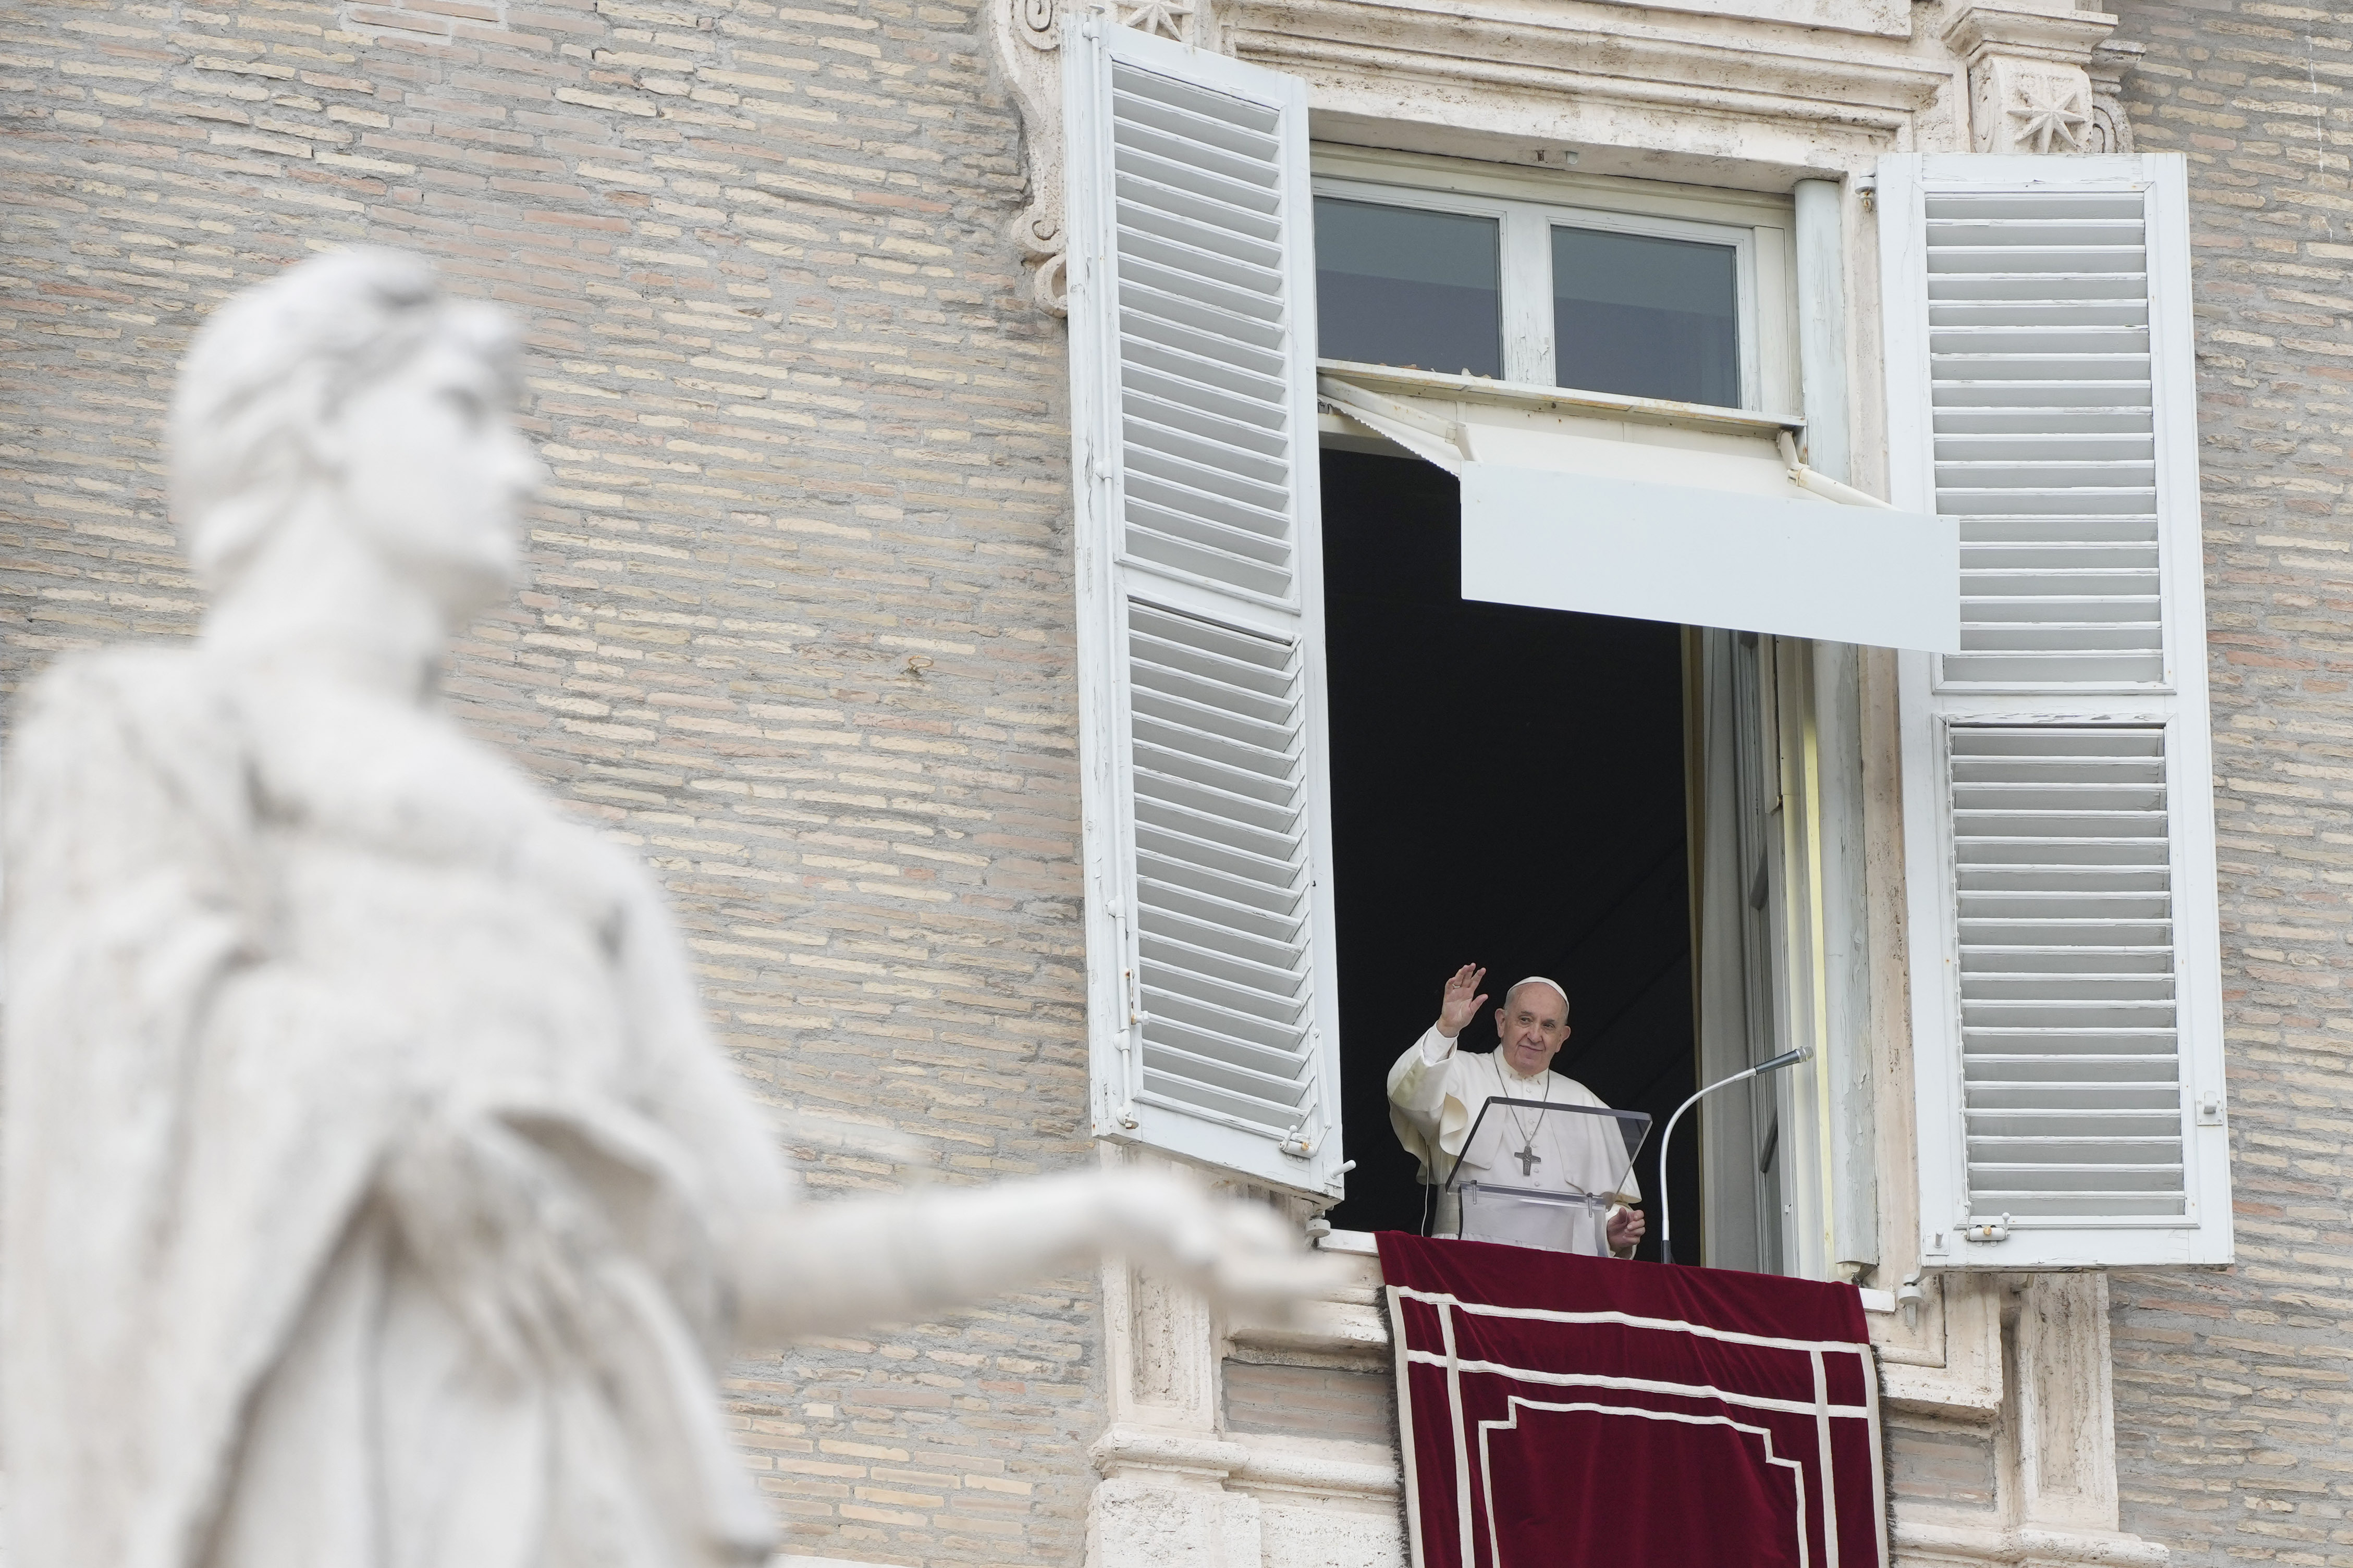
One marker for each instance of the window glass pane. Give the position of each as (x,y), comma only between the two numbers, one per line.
(1645,316)
(1399,286)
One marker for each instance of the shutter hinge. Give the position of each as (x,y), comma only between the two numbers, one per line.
(1130,996)
(2209,1109)
(1989,1230)
(1116,908)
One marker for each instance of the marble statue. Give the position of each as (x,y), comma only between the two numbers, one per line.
(374,1195)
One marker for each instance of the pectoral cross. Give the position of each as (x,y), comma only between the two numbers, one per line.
(1529,1159)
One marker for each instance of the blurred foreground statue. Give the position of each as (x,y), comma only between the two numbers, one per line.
(374,1195)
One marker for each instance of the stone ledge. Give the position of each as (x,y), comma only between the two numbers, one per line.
(2029,1546)
(1180,1457)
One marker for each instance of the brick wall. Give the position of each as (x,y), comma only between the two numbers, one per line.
(2233,1389)
(798,619)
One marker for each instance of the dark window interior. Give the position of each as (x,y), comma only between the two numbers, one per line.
(1507,788)
(1401,286)
(1644,316)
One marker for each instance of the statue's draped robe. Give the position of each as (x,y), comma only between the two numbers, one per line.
(272,943)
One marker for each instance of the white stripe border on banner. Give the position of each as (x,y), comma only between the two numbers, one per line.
(1819,1408)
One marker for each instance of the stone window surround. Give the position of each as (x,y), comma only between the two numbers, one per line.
(1839,99)
(1742,95)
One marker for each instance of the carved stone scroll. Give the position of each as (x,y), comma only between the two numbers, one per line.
(2111,131)
(1027,38)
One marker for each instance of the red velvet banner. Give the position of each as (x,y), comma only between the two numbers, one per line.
(1565,1412)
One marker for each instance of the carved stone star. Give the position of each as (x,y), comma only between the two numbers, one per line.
(2053,111)
(1165,18)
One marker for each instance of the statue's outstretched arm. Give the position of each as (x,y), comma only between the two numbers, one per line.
(815,1268)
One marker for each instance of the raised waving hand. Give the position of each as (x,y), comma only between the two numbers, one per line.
(1462,1001)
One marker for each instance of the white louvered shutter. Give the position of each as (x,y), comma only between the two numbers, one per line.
(1211,1001)
(2058,772)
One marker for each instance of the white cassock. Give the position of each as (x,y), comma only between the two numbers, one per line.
(1435,1096)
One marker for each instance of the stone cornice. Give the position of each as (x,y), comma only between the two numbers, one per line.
(1767,68)
(1492,81)
(1744,101)
(2028,31)
(1748,100)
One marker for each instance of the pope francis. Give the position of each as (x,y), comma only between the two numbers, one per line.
(1437,1092)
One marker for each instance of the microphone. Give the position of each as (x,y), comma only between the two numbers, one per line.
(1666,1218)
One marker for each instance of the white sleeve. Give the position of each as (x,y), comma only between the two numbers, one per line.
(1417,1082)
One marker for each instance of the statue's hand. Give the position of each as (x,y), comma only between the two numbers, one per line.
(489,1220)
(1247,1259)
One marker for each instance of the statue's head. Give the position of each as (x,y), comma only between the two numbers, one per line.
(350,380)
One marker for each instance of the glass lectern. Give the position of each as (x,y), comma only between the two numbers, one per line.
(1539,1174)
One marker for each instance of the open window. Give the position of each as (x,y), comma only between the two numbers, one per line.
(1672,811)
(1671,593)
(1215,998)
(1509,787)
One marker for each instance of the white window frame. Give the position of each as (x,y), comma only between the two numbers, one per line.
(1524,240)
(1530,202)
(1761,232)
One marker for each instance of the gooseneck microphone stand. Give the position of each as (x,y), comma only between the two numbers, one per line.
(1666,1219)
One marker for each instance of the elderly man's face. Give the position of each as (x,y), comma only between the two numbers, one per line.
(1532,1023)
(434,474)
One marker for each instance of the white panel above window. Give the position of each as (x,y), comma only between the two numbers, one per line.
(1212,1005)
(2058,776)
(1790,566)
(1626,506)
